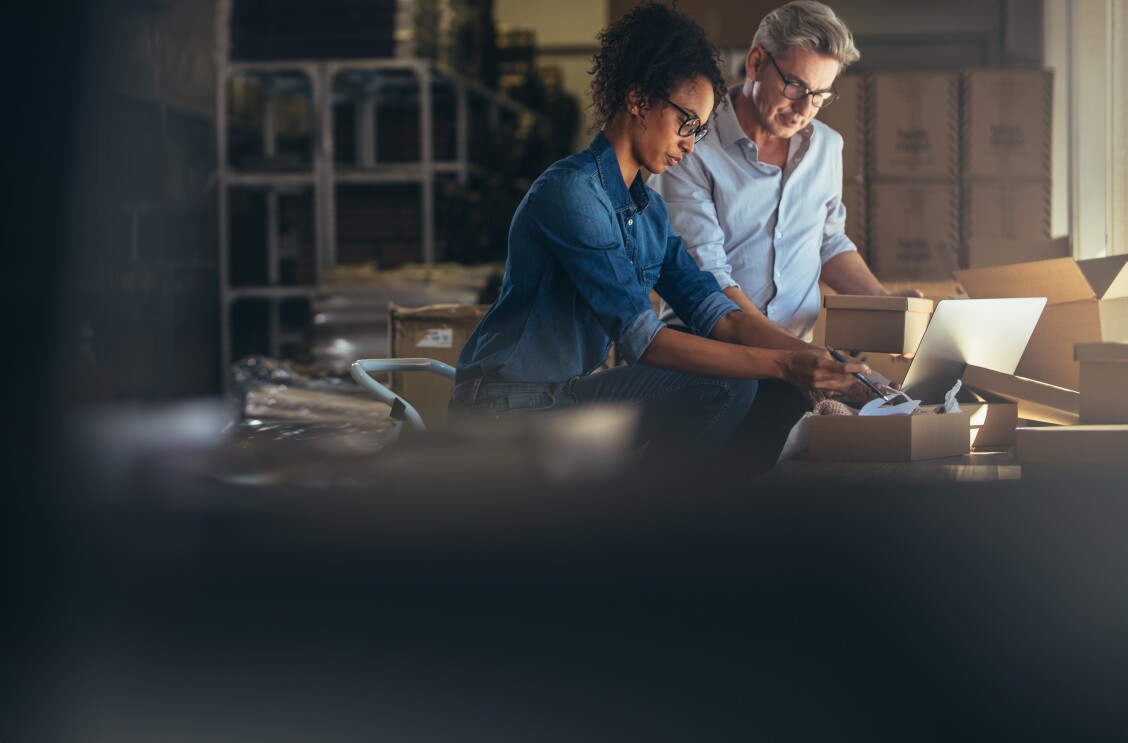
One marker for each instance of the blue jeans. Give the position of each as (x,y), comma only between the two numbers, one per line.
(680,415)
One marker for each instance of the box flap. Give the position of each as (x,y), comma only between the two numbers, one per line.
(866,302)
(1037,401)
(1108,351)
(1107,276)
(1058,280)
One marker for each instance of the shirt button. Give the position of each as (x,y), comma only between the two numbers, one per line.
(779,234)
(630,221)
(778,274)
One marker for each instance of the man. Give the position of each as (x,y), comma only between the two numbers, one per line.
(760,205)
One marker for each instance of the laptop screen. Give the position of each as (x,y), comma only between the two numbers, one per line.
(991,333)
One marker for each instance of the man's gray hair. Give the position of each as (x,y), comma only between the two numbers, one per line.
(810,25)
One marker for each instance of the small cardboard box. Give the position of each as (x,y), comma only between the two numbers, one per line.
(848,117)
(915,125)
(1006,125)
(1086,301)
(1035,401)
(881,324)
(992,424)
(1082,450)
(1104,382)
(914,230)
(889,438)
(436,331)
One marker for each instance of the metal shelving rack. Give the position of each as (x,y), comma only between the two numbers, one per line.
(324,174)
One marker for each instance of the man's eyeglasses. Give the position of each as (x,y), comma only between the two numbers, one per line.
(796,91)
(692,126)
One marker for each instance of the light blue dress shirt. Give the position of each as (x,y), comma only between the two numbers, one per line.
(764,229)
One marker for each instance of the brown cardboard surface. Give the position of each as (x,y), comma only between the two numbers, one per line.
(435,332)
(1103,351)
(1006,210)
(892,438)
(1072,445)
(1058,280)
(1036,401)
(882,324)
(992,424)
(883,304)
(1007,121)
(1049,353)
(914,230)
(1104,382)
(985,252)
(915,125)
(1108,276)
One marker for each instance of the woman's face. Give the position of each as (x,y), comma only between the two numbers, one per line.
(656,143)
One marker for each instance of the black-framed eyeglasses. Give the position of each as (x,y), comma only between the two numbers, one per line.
(796,91)
(692,126)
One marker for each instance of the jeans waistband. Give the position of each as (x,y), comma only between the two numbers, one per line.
(471,390)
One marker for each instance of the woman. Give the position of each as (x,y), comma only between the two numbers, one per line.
(588,243)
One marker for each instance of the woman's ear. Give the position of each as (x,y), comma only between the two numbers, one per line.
(635,103)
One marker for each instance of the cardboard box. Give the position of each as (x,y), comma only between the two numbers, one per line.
(1104,382)
(890,438)
(915,125)
(1072,448)
(914,230)
(437,332)
(1086,301)
(1035,401)
(884,324)
(1006,126)
(992,424)
(998,210)
(848,117)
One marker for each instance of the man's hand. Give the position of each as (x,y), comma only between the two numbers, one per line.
(912,293)
(815,370)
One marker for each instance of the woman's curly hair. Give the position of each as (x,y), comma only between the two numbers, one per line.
(652,48)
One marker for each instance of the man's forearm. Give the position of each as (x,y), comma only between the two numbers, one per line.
(847,273)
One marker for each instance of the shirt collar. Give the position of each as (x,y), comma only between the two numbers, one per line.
(728,129)
(607,164)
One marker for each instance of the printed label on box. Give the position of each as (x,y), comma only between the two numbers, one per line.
(436,338)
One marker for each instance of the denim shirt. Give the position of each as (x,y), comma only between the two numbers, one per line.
(753,225)
(584,253)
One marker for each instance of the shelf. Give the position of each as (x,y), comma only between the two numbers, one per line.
(243,178)
(271,292)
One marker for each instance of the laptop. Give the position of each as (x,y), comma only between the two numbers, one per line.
(991,333)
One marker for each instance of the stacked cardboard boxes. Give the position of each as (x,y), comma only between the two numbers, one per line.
(1005,166)
(914,164)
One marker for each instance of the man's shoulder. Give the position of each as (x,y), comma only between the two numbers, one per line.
(825,135)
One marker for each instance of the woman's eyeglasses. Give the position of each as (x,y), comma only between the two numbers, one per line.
(692,126)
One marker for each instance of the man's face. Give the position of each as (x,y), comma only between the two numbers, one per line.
(779,115)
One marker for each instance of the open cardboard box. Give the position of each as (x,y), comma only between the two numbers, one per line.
(890,438)
(880,324)
(1086,301)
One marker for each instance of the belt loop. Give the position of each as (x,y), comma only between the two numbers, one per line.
(474,389)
